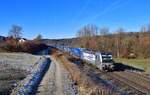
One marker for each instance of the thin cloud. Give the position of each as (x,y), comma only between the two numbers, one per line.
(113,6)
(82,10)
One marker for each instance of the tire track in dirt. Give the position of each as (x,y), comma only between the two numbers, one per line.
(57,81)
(44,88)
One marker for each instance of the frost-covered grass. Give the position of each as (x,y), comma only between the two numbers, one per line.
(25,57)
(9,76)
(18,60)
(13,68)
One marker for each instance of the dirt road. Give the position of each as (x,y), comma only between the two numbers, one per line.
(57,81)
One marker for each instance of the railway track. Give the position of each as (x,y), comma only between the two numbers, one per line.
(130,82)
(133,86)
(119,83)
(125,81)
(138,82)
(143,77)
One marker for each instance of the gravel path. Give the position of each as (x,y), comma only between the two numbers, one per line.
(57,81)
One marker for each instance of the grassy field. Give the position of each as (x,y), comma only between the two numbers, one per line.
(138,63)
(18,60)
(13,68)
(19,56)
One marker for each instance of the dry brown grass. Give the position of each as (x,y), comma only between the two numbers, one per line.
(85,84)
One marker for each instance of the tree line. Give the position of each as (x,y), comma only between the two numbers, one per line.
(121,43)
(13,42)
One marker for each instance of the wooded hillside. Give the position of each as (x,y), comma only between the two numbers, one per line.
(121,43)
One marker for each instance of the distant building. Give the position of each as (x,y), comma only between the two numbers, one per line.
(22,40)
(8,39)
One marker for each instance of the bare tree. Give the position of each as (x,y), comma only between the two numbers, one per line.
(15,32)
(148,28)
(104,31)
(103,42)
(145,28)
(38,38)
(89,30)
(121,43)
(119,37)
(86,34)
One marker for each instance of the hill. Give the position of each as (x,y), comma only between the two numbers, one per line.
(54,42)
(122,44)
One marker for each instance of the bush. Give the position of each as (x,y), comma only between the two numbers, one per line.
(14,46)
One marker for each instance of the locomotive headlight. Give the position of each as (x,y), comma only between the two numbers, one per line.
(111,65)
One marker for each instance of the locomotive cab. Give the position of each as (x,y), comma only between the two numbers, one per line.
(104,61)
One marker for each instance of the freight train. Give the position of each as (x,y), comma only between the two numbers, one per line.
(102,60)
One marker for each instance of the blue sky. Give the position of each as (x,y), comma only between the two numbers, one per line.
(63,18)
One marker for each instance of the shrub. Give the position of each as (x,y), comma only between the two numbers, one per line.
(14,46)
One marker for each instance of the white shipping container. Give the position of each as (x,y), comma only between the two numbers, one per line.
(89,57)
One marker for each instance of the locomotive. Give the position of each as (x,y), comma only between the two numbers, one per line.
(102,60)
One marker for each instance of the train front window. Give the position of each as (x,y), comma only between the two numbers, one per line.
(107,58)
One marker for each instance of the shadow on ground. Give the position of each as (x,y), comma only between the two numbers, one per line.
(35,91)
(123,67)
